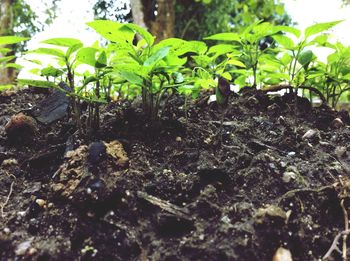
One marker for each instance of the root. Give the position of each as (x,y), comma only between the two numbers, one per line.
(3,205)
(275,88)
(346,224)
(295,191)
(334,246)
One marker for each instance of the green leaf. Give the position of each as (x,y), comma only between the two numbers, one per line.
(224,37)
(65,42)
(306,57)
(37,83)
(7,58)
(51,71)
(141,31)
(319,27)
(14,65)
(101,60)
(113,31)
(288,29)
(131,77)
(12,39)
(220,49)
(4,87)
(5,50)
(346,77)
(89,79)
(157,56)
(49,51)
(285,41)
(72,49)
(236,63)
(87,55)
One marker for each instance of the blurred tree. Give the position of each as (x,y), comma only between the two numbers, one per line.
(194,19)
(17,18)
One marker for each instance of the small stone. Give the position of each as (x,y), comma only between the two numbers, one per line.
(21,127)
(271,212)
(178,139)
(97,152)
(40,202)
(50,205)
(288,176)
(57,187)
(309,134)
(9,162)
(337,123)
(340,151)
(291,154)
(282,254)
(32,251)
(22,248)
(7,230)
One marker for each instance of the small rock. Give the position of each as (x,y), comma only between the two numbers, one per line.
(23,247)
(337,123)
(282,254)
(340,151)
(291,154)
(273,110)
(32,251)
(116,150)
(40,202)
(288,176)
(7,230)
(21,127)
(178,139)
(309,134)
(271,212)
(9,162)
(97,152)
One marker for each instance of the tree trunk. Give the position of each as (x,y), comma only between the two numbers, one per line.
(7,75)
(157,16)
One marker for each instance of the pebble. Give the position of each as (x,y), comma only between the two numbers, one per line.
(337,123)
(309,134)
(282,254)
(21,125)
(340,151)
(40,202)
(288,176)
(178,139)
(291,154)
(23,247)
(7,230)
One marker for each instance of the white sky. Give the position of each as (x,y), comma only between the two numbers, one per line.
(73,14)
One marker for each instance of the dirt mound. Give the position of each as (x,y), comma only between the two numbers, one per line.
(274,174)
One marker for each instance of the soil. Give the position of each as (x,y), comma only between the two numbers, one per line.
(273,176)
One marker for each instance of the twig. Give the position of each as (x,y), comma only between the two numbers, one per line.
(294,191)
(334,246)
(8,195)
(346,224)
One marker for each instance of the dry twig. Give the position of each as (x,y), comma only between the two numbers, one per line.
(2,206)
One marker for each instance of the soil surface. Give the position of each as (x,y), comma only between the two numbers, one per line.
(274,176)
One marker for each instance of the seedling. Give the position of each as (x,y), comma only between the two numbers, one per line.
(5,58)
(145,66)
(75,54)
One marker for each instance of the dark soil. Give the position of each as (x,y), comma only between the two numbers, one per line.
(180,189)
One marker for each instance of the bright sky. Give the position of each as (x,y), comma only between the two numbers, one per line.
(73,14)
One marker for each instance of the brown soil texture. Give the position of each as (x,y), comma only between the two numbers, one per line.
(274,175)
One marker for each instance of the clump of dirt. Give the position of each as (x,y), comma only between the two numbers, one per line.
(272,177)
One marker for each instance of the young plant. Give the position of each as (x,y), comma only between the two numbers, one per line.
(146,66)
(252,46)
(297,58)
(69,54)
(6,58)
